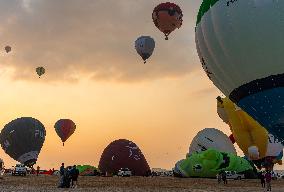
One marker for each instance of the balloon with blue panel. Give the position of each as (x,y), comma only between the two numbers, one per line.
(240,46)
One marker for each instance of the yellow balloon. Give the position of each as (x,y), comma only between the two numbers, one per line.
(250,136)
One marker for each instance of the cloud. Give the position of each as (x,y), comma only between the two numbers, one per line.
(74,39)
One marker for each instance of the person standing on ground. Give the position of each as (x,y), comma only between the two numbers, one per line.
(224,177)
(37,170)
(61,172)
(74,176)
(268,178)
(67,177)
(262,179)
(219,178)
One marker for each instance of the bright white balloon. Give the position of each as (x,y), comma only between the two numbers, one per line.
(211,138)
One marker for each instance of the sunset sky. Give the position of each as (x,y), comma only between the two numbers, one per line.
(95,77)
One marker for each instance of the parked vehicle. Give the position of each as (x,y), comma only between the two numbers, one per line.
(124,172)
(19,169)
(233,175)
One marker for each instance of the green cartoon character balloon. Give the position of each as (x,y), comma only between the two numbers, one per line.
(211,162)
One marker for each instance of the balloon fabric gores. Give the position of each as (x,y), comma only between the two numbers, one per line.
(145,46)
(211,138)
(22,139)
(240,46)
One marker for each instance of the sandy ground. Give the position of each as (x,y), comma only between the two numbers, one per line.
(132,184)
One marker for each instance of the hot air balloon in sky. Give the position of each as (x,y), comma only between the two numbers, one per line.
(22,139)
(240,46)
(64,128)
(144,46)
(211,138)
(8,49)
(40,71)
(167,17)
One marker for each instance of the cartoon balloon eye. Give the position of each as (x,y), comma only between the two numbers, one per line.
(197,168)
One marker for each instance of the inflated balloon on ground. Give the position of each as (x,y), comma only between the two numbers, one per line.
(211,138)
(250,136)
(211,162)
(123,153)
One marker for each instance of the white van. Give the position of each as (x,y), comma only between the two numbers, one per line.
(19,169)
(234,175)
(124,172)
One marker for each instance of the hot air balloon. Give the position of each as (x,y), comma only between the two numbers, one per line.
(123,153)
(144,46)
(64,128)
(211,138)
(240,46)
(250,136)
(211,162)
(22,139)
(8,49)
(176,169)
(40,71)
(167,17)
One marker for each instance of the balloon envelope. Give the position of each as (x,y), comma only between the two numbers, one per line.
(8,49)
(22,139)
(274,147)
(167,17)
(123,153)
(211,138)
(144,46)
(226,31)
(211,162)
(64,128)
(40,71)
(250,136)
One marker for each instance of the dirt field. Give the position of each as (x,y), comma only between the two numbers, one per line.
(133,184)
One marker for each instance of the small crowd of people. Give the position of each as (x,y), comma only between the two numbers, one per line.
(265,179)
(68,176)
